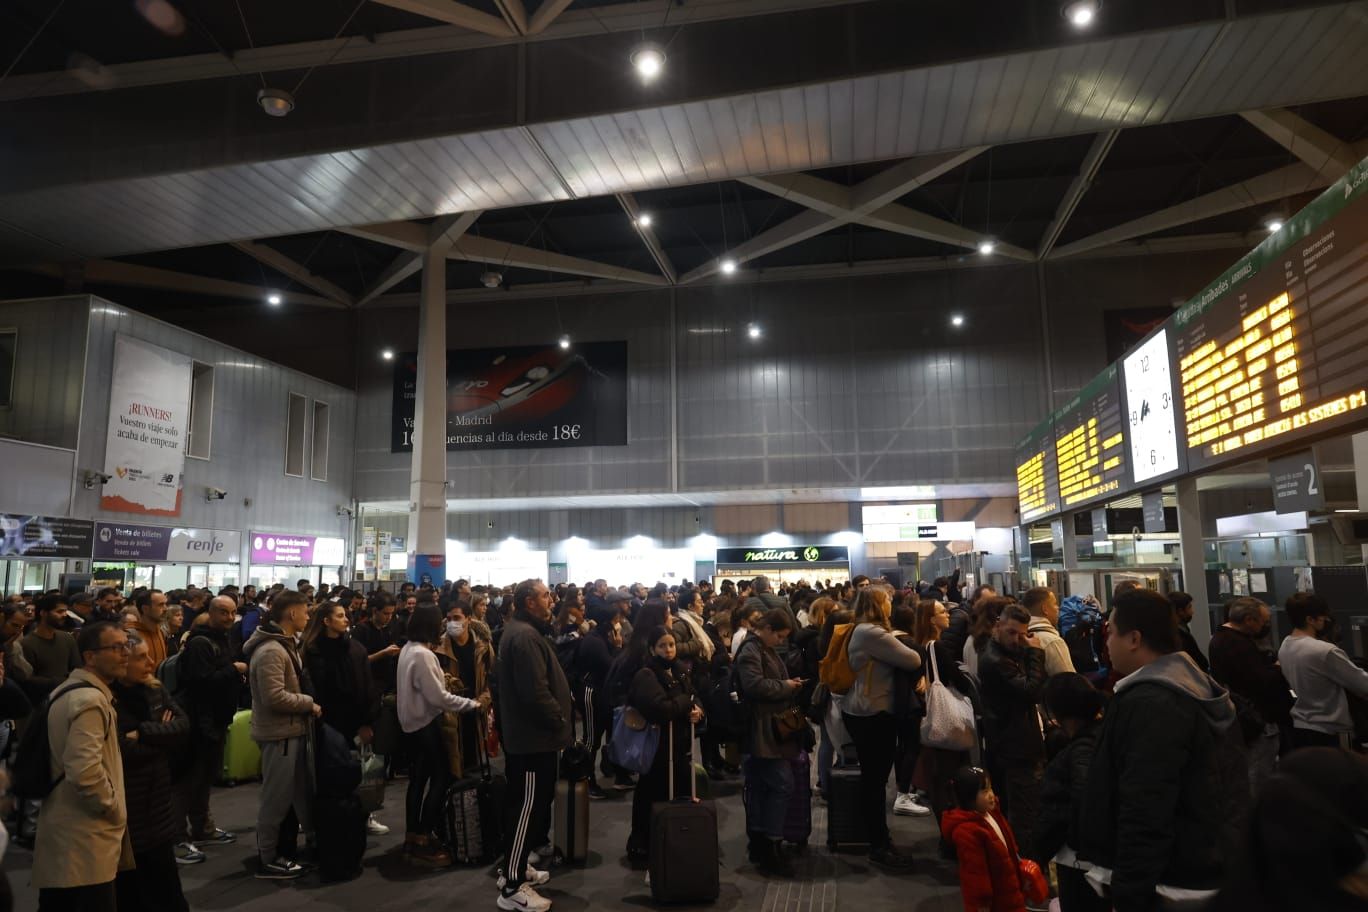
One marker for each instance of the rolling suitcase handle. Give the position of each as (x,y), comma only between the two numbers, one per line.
(693,782)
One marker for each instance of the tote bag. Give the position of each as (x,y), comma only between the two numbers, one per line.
(949,720)
(635,741)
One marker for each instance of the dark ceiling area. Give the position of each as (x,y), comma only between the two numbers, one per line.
(564,126)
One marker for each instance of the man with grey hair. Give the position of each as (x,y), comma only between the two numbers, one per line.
(1255,680)
(763,597)
(207,686)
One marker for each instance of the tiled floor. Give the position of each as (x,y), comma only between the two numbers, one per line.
(825,882)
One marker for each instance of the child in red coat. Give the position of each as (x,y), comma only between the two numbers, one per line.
(990,880)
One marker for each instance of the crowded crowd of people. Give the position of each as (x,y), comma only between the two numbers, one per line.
(1097,756)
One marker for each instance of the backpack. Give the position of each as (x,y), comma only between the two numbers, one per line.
(31,773)
(619,680)
(567,653)
(1079,639)
(168,672)
(834,670)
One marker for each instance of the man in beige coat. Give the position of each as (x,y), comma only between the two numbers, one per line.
(82,829)
(1044,608)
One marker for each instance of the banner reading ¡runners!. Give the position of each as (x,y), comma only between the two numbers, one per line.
(149,420)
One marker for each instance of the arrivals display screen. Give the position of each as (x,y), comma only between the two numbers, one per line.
(1090,445)
(1280,356)
(1037,474)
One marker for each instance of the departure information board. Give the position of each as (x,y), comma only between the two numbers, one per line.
(1090,443)
(1278,356)
(1269,356)
(1037,474)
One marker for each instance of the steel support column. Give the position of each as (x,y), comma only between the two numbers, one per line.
(427,480)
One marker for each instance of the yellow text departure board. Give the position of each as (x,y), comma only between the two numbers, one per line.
(1281,357)
(1037,474)
(1090,443)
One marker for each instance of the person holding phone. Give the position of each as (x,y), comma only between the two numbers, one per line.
(1012,674)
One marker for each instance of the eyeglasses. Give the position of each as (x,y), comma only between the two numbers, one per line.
(125,646)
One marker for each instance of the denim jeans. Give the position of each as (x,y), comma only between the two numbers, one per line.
(768,790)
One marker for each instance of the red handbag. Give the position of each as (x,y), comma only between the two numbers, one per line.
(1033,882)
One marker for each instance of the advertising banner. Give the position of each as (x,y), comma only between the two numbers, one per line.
(44,536)
(127,542)
(521,397)
(303,550)
(149,422)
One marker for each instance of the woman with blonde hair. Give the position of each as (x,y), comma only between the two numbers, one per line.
(875,654)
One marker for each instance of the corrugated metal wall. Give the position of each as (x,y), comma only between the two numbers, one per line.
(248,448)
(49,358)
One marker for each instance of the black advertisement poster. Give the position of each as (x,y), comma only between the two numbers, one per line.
(523,397)
(45,536)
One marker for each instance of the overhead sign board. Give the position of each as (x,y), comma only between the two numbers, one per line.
(129,542)
(794,554)
(1297,484)
(22,535)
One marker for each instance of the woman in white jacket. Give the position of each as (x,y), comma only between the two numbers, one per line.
(422,698)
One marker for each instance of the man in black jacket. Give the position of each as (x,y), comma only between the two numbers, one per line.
(595,657)
(1256,683)
(536,724)
(1182,606)
(1166,794)
(1012,671)
(209,682)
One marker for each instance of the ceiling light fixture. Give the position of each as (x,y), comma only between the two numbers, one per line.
(957,320)
(728,266)
(491,279)
(1081,13)
(644,220)
(1274,225)
(387,354)
(1346,511)
(648,59)
(276,102)
(274,299)
(753,330)
(565,341)
(987,246)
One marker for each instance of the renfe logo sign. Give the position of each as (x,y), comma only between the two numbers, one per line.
(125,541)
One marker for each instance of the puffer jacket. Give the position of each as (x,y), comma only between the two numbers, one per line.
(152,819)
(989,876)
(342,683)
(280,707)
(762,677)
(1061,795)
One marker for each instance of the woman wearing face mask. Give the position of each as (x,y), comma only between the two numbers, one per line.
(463,654)
(662,692)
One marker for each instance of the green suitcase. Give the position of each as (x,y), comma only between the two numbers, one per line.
(241,755)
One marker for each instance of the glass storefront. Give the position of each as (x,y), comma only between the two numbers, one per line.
(127,576)
(29,576)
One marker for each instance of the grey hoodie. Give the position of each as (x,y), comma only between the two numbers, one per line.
(1177,671)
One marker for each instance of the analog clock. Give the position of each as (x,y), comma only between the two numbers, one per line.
(1151,414)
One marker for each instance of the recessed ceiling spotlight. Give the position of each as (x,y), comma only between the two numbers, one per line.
(957,320)
(491,279)
(648,59)
(565,341)
(1274,225)
(1081,13)
(274,299)
(987,246)
(644,220)
(276,102)
(162,16)
(753,330)
(728,266)
(387,354)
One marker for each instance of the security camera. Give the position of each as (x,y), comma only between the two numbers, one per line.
(345,511)
(92,478)
(490,524)
(213,494)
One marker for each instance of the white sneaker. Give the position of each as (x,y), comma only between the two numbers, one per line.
(525,900)
(905,805)
(375,827)
(648,880)
(531,875)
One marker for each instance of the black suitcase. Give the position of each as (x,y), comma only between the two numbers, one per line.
(571,820)
(473,813)
(340,828)
(683,851)
(845,826)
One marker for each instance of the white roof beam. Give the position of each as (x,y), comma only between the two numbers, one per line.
(891,184)
(453,13)
(114,272)
(297,271)
(1330,156)
(500,253)
(806,190)
(1087,173)
(445,231)
(406,235)
(802,226)
(514,13)
(546,14)
(902,220)
(648,237)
